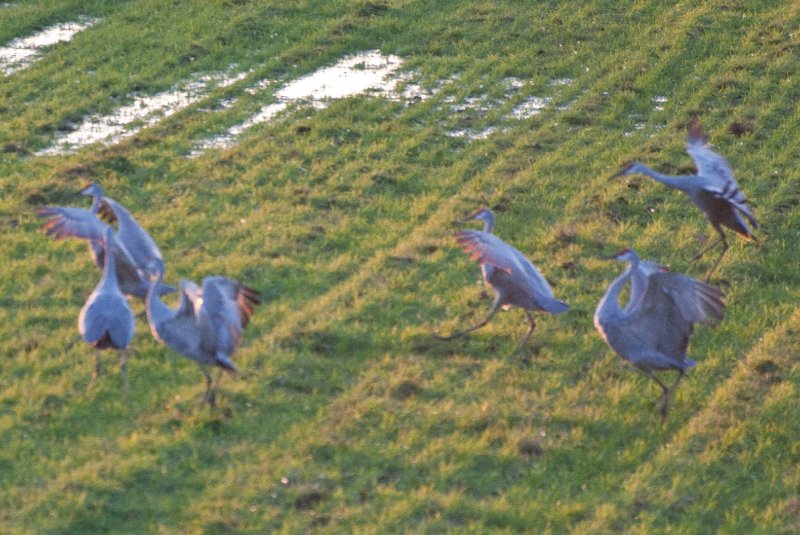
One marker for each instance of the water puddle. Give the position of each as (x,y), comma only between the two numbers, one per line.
(529,107)
(22,52)
(368,72)
(363,72)
(144,111)
(473,109)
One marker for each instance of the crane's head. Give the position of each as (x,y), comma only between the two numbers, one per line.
(92,190)
(482,214)
(628,169)
(626,255)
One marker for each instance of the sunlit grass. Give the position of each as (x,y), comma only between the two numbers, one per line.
(348,416)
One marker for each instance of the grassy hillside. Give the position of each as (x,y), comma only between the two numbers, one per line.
(348,416)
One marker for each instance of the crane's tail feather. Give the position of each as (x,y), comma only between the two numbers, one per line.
(223,361)
(247,298)
(555,306)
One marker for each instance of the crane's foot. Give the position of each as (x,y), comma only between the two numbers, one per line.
(446,338)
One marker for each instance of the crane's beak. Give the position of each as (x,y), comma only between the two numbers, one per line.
(617,174)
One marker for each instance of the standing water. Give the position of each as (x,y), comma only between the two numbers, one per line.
(22,52)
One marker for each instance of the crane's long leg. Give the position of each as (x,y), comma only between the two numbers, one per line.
(664,394)
(488,317)
(677,380)
(707,248)
(123,367)
(209,395)
(724,241)
(97,368)
(724,250)
(527,335)
(218,381)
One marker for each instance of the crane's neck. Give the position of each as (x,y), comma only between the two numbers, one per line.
(96,198)
(609,308)
(488,221)
(678,182)
(157,311)
(109,263)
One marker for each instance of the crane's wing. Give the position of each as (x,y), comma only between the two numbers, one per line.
(664,316)
(656,323)
(716,171)
(709,164)
(535,279)
(224,313)
(67,222)
(487,248)
(190,299)
(696,301)
(518,270)
(639,281)
(137,241)
(728,204)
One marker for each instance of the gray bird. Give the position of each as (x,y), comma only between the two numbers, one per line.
(713,190)
(132,246)
(106,320)
(652,331)
(207,324)
(514,279)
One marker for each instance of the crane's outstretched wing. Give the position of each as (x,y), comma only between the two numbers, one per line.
(672,302)
(67,222)
(487,248)
(519,272)
(657,324)
(709,164)
(729,206)
(136,240)
(717,171)
(225,311)
(639,281)
(696,301)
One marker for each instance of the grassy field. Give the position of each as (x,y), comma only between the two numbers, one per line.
(348,416)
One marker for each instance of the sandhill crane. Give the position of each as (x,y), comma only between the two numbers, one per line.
(652,332)
(133,246)
(106,320)
(713,190)
(515,280)
(207,324)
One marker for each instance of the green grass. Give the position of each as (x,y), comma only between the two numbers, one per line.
(348,416)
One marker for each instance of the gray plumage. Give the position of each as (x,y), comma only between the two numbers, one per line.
(132,245)
(652,331)
(106,320)
(713,190)
(207,324)
(509,273)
